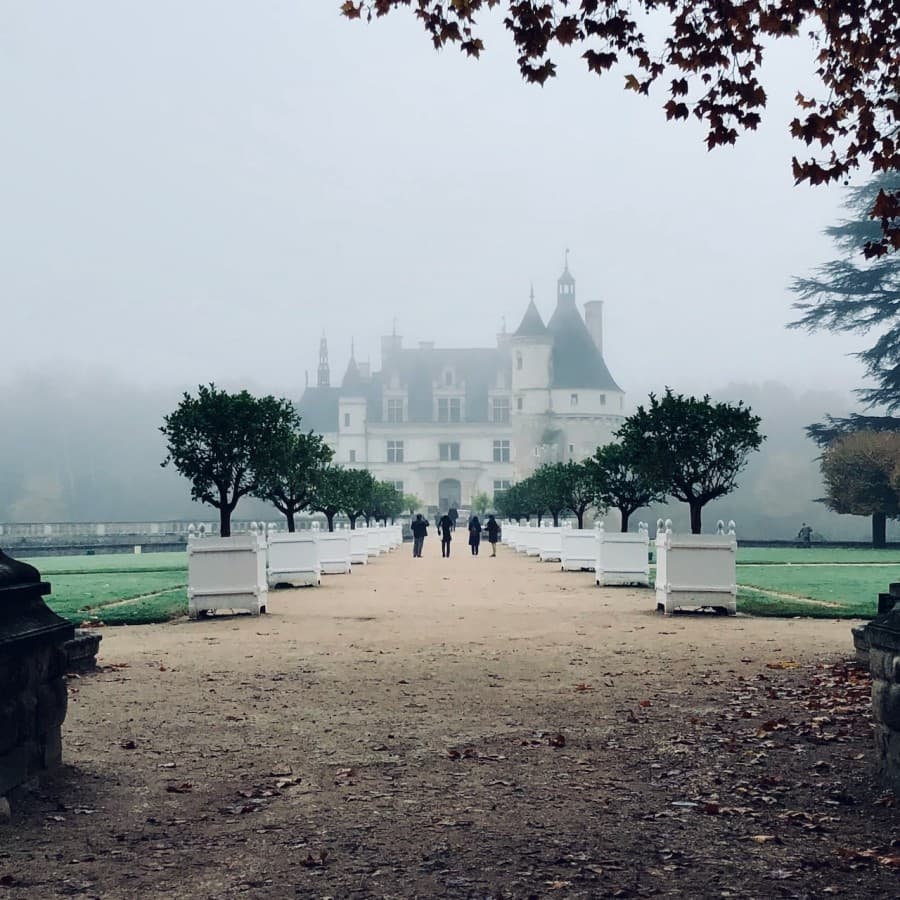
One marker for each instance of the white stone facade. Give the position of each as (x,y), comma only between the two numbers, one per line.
(445,424)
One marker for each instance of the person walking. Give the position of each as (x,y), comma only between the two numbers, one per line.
(420,530)
(493,531)
(446,526)
(453,513)
(474,534)
(805,535)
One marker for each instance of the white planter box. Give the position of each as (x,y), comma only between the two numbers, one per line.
(227,573)
(523,538)
(359,546)
(373,545)
(294,559)
(623,558)
(551,544)
(334,552)
(579,549)
(696,570)
(508,533)
(533,538)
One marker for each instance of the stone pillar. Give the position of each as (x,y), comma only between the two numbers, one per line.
(884,664)
(33,696)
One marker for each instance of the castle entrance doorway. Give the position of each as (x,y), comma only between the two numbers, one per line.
(449,494)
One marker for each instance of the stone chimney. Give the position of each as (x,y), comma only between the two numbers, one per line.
(593,318)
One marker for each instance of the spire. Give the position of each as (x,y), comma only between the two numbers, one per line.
(532,324)
(353,349)
(565,286)
(324,379)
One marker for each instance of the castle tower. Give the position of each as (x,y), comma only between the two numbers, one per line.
(324,379)
(531,349)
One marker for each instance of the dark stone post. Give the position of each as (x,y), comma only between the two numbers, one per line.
(33,696)
(884,664)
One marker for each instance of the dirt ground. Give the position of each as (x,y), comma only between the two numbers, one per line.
(463,728)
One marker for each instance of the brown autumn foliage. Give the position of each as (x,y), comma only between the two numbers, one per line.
(710,57)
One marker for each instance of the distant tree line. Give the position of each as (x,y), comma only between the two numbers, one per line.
(681,447)
(236,445)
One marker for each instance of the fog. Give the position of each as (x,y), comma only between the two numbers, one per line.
(195,192)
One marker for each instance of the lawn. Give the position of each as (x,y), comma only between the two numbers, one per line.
(117,589)
(845,582)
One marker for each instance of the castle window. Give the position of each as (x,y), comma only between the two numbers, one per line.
(449,409)
(603,399)
(395,410)
(346,420)
(500,485)
(573,399)
(448,378)
(395,451)
(519,404)
(501,451)
(519,361)
(448,452)
(352,456)
(398,486)
(571,449)
(500,409)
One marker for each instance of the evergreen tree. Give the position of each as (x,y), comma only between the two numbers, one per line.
(850,294)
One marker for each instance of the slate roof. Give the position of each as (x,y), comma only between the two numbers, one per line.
(576,361)
(318,408)
(532,324)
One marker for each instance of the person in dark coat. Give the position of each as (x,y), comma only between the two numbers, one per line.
(493,532)
(446,526)
(474,534)
(453,512)
(420,530)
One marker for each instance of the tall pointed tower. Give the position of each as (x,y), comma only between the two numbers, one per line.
(531,348)
(324,379)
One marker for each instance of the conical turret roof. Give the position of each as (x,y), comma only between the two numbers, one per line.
(532,324)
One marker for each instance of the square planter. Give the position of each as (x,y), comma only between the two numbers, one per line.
(334,552)
(696,570)
(359,546)
(294,559)
(623,558)
(579,550)
(551,544)
(227,573)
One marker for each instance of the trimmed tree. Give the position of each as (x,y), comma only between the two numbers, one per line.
(692,449)
(619,484)
(548,489)
(222,442)
(287,481)
(411,503)
(481,501)
(386,503)
(359,493)
(579,489)
(861,472)
(329,492)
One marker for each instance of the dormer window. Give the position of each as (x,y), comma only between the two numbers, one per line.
(573,399)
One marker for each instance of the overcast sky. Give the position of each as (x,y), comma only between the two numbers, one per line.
(195,191)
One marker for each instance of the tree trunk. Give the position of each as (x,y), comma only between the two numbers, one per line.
(330,517)
(289,515)
(224,520)
(696,510)
(625,515)
(879,530)
(580,517)
(352,522)
(556,520)
(540,517)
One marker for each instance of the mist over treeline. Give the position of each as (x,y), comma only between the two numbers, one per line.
(87,447)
